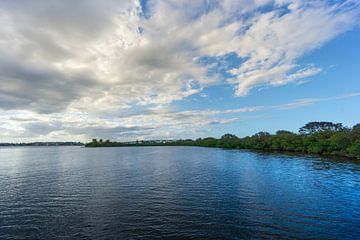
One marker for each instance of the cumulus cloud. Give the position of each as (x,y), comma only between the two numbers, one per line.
(146,124)
(43,89)
(98,60)
(152,123)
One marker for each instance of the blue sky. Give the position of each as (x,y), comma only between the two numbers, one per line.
(340,61)
(175,69)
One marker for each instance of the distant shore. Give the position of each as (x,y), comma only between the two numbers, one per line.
(274,151)
(321,138)
(41,144)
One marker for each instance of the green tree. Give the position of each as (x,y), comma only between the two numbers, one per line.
(228,141)
(339,142)
(355,133)
(354,150)
(284,132)
(316,127)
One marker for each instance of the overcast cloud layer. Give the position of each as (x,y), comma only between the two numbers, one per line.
(81,68)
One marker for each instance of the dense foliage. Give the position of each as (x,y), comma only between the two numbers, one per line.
(314,138)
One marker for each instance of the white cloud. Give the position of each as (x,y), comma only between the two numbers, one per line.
(149,123)
(96,60)
(298,103)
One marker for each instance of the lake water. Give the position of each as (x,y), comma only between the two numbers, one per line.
(175,193)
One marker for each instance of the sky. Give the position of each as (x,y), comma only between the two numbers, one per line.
(169,69)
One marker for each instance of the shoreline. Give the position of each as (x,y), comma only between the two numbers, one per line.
(279,152)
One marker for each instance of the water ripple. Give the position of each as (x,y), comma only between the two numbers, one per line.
(162,193)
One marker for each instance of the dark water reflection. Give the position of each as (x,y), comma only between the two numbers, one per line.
(175,193)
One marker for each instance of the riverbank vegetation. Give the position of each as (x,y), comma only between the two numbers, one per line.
(325,138)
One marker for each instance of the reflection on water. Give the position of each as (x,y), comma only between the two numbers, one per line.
(175,192)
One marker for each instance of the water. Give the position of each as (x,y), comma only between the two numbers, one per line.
(175,193)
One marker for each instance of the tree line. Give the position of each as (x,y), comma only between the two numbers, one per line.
(325,138)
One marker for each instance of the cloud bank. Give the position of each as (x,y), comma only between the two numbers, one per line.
(98,60)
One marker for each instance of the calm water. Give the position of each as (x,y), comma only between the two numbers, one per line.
(175,193)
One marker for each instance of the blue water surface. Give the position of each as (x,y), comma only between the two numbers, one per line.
(175,193)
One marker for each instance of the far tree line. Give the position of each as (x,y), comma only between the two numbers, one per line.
(314,138)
